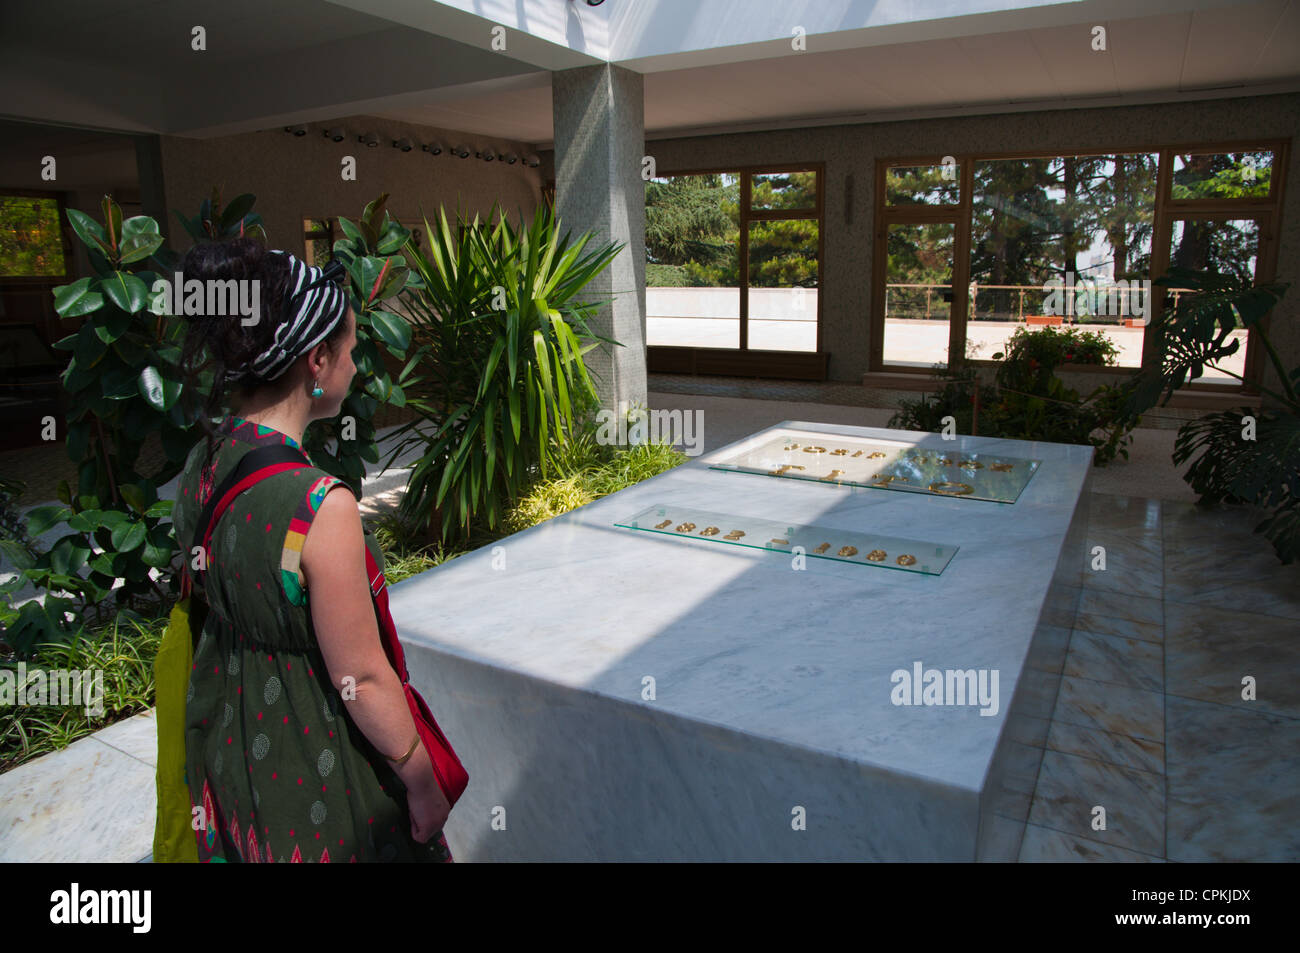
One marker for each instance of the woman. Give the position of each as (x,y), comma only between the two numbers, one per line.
(300,745)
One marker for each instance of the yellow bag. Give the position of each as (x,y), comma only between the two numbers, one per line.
(173,838)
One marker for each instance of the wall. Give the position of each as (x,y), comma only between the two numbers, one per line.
(854,149)
(299,177)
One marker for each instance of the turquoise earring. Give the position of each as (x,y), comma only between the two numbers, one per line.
(316,391)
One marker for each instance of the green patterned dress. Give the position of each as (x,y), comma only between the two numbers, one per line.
(272,755)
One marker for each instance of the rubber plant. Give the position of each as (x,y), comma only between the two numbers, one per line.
(376,276)
(1242,455)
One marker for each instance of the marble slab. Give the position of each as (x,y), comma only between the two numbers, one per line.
(622,695)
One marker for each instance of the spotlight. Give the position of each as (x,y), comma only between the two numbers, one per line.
(296,130)
(460,152)
(488,156)
(510,158)
(369,138)
(532,162)
(433,148)
(335,134)
(404,144)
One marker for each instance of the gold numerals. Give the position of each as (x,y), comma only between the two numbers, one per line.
(877,555)
(952,489)
(685,527)
(663,524)
(905,560)
(780,471)
(848,551)
(710,531)
(814,449)
(734,534)
(1002,467)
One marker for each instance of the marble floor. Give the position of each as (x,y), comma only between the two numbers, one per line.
(1150,722)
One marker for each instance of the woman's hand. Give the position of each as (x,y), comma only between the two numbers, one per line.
(424,798)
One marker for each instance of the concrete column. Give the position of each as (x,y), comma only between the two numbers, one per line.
(599,144)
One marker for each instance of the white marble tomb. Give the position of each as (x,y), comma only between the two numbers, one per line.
(774,687)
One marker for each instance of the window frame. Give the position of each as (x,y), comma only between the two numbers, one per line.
(1267,210)
(763,361)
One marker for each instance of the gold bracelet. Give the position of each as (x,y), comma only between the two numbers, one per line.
(409,751)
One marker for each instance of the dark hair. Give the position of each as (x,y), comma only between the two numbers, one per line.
(223,342)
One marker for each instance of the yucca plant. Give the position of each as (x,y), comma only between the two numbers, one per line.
(500,334)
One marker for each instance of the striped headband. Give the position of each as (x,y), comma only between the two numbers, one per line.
(315,307)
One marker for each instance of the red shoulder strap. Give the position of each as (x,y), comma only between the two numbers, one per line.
(275,459)
(387,630)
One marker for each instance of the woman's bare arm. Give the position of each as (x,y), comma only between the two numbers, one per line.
(333,562)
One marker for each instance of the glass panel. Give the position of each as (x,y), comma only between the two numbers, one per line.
(822,542)
(1223,175)
(692,248)
(922,185)
(887,465)
(918,293)
(783,285)
(1229,247)
(783,190)
(31,244)
(1062,240)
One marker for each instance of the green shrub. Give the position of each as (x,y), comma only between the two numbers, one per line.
(123,651)
(1027,400)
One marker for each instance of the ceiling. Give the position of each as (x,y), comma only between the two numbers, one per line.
(128,66)
(1239,50)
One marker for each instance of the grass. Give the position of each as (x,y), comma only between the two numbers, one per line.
(585,471)
(124,652)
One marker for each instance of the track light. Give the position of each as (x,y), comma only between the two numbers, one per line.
(460,152)
(404,144)
(336,133)
(510,158)
(433,148)
(369,138)
(532,162)
(296,130)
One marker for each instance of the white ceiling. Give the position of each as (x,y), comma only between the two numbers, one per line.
(127,65)
(1236,50)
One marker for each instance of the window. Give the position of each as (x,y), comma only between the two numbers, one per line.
(318,238)
(972,247)
(1081,222)
(31,237)
(733,259)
